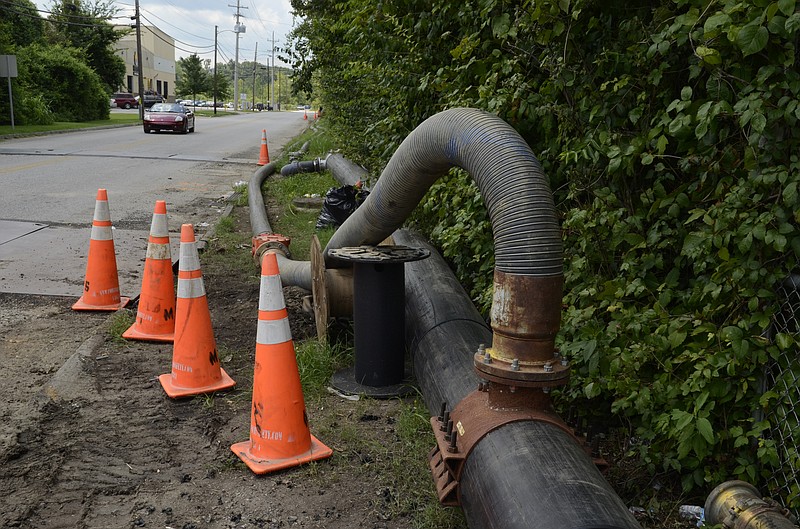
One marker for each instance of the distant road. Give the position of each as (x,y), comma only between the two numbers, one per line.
(50,182)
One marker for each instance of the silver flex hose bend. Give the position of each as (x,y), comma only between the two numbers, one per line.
(528,276)
(512,184)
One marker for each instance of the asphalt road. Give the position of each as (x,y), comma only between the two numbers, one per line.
(49,185)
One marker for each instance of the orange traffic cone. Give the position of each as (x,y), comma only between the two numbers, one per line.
(155,315)
(195,361)
(101,286)
(305,114)
(263,158)
(279,435)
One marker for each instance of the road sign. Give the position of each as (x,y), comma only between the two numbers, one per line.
(8,68)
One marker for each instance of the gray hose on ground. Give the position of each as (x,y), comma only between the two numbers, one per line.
(258,214)
(296,273)
(293,273)
(513,186)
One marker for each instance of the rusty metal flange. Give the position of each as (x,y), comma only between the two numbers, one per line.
(541,374)
(479,413)
(272,240)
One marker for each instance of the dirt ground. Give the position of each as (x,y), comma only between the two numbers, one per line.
(88,438)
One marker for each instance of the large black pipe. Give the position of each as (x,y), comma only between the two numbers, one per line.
(524,474)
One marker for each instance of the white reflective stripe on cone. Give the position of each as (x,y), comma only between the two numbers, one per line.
(102,233)
(189,260)
(101,211)
(157,250)
(158,228)
(191,288)
(273,332)
(271,296)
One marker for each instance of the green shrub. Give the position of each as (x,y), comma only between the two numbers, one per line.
(669,133)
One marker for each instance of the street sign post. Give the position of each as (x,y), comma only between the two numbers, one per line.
(8,69)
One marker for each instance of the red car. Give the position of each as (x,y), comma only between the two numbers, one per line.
(125,100)
(168,116)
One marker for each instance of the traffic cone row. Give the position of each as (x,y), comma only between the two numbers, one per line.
(279,433)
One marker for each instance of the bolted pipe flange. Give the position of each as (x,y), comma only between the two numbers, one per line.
(516,372)
(264,241)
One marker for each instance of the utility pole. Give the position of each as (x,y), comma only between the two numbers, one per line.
(215,69)
(272,73)
(140,62)
(255,67)
(238,28)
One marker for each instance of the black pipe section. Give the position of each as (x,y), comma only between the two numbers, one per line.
(524,474)
(306,166)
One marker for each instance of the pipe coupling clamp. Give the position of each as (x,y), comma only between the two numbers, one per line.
(270,241)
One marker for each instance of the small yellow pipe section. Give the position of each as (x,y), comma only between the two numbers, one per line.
(738,505)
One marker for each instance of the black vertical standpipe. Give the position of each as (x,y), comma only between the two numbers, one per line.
(379,320)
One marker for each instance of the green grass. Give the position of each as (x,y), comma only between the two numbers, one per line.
(114,119)
(119,323)
(317,363)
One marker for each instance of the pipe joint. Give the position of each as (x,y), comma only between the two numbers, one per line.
(526,315)
(490,407)
(269,241)
(738,505)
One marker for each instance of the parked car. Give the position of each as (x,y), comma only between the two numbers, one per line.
(168,116)
(124,100)
(151,98)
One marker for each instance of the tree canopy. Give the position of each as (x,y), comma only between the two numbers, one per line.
(194,78)
(66,63)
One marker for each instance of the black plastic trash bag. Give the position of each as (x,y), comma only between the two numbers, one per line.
(340,203)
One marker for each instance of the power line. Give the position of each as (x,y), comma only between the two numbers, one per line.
(29,13)
(162,39)
(182,30)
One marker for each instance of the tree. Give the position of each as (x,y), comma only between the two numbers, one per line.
(223,86)
(20,24)
(69,88)
(85,27)
(194,79)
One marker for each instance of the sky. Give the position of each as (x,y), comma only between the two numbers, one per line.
(191,23)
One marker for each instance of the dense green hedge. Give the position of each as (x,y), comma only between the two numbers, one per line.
(669,132)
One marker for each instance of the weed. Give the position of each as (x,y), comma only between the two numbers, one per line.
(119,324)
(240,196)
(207,400)
(317,363)
(225,226)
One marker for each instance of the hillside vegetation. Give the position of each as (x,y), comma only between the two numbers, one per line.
(668,130)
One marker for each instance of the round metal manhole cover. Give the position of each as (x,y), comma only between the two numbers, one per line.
(379,254)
